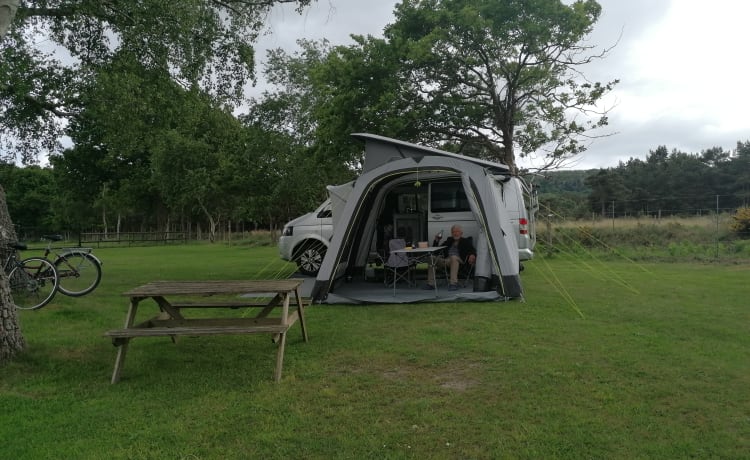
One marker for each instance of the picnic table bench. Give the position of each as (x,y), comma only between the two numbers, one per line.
(172,297)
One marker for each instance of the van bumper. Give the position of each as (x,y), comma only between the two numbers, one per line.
(285,247)
(525,254)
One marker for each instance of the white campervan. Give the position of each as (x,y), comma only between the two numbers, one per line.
(415,214)
(448,205)
(304,240)
(522,203)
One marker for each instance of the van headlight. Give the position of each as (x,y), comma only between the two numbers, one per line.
(288,231)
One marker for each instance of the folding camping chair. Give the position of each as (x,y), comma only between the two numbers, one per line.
(465,269)
(397,266)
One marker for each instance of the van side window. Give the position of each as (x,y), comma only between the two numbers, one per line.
(448,197)
(325,213)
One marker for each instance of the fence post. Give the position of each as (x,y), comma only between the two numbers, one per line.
(549,234)
(717,226)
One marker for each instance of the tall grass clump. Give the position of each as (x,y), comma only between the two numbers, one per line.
(676,239)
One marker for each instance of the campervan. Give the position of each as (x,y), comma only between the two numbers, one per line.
(304,240)
(415,214)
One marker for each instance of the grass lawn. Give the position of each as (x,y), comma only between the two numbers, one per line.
(601,360)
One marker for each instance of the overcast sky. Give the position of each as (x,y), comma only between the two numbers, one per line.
(681,66)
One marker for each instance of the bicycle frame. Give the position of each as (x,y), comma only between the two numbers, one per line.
(33,281)
(65,250)
(13,259)
(72,251)
(79,269)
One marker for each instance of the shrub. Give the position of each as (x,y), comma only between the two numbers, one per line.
(739,247)
(585,236)
(741,222)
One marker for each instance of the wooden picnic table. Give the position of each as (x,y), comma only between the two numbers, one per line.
(172,297)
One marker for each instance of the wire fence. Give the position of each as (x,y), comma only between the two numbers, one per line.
(148,238)
(702,236)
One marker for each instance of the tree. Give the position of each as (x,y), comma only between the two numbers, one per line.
(131,114)
(364,88)
(606,186)
(675,182)
(28,191)
(204,44)
(502,78)
(201,43)
(295,117)
(505,75)
(741,165)
(298,108)
(497,79)
(11,339)
(194,163)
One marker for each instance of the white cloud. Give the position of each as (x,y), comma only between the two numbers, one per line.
(334,20)
(681,80)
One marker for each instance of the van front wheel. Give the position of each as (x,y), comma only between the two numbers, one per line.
(310,259)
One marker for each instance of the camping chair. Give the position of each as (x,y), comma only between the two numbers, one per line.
(465,273)
(465,269)
(397,266)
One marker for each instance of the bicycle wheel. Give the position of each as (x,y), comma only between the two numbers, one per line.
(79,273)
(33,283)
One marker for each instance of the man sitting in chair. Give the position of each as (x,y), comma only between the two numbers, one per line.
(458,250)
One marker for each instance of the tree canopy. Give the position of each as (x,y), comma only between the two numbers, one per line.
(665,182)
(504,76)
(143,88)
(55,47)
(498,79)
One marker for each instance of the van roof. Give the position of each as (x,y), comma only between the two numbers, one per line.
(380,150)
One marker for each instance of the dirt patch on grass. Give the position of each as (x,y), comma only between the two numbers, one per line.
(456,376)
(459,377)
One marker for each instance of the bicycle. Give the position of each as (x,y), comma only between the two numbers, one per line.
(33,281)
(79,270)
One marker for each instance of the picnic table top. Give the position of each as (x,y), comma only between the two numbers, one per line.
(162,288)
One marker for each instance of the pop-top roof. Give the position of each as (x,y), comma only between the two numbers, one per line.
(380,150)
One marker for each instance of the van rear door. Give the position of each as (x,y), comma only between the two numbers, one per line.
(449,206)
(516,194)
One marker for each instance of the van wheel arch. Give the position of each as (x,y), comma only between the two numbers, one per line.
(309,256)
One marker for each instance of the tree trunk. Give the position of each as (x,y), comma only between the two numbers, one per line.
(212,223)
(508,154)
(212,226)
(11,339)
(104,220)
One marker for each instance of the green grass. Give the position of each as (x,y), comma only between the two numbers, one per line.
(602,360)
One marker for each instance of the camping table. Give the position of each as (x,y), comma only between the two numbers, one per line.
(173,297)
(418,255)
